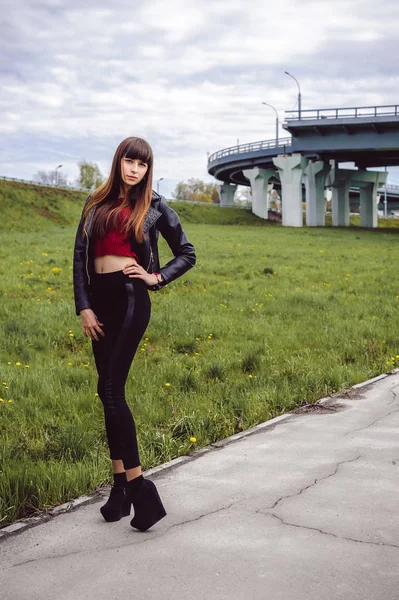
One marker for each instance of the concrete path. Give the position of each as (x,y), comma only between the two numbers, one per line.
(304,507)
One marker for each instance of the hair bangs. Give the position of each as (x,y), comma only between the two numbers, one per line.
(139,149)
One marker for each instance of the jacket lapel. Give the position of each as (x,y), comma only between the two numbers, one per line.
(151,216)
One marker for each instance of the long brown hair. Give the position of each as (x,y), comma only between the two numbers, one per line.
(138,197)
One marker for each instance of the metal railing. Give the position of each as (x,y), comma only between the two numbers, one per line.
(251,147)
(354,112)
(62,187)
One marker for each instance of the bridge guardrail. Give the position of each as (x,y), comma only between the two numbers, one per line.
(251,147)
(355,112)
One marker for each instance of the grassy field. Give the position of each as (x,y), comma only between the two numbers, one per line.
(270,317)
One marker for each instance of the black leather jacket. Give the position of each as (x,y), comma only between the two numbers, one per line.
(159,218)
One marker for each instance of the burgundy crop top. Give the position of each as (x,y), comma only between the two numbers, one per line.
(114,242)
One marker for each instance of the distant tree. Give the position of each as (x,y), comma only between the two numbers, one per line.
(50,178)
(90,176)
(195,189)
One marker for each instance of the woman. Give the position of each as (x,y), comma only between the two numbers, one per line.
(115,264)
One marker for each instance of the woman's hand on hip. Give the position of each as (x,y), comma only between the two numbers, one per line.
(137,271)
(90,324)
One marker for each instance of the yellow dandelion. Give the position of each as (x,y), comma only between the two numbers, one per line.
(49,289)
(69,364)
(27,367)
(4,383)
(9,401)
(17,364)
(96,394)
(198,339)
(147,339)
(193,440)
(250,376)
(142,349)
(196,353)
(56,270)
(167,384)
(1,400)
(9,362)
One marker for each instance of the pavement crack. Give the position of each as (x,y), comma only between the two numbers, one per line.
(340,537)
(308,486)
(207,514)
(393,393)
(375,420)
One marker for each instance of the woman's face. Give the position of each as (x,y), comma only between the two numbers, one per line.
(132,170)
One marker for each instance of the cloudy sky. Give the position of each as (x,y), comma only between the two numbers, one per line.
(188,76)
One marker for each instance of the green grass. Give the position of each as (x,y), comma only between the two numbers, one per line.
(269,318)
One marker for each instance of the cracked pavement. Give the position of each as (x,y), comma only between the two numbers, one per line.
(307,508)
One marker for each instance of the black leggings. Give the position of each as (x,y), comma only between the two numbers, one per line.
(123,305)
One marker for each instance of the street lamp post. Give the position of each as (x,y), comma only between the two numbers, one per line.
(56,174)
(160,179)
(266,104)
(299,93)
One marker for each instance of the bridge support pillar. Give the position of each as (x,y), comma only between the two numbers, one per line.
(291,169)
(226,194)
(368,205)
(369,182)
(340,182)
(260,189)
(315,201)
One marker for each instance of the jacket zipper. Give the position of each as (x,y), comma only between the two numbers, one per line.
(151,257)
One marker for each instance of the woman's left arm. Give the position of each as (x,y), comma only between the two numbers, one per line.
(184,257)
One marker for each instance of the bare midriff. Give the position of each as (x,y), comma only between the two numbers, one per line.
(112,262)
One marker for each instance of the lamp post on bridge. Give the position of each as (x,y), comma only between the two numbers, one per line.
(266,104)
(299,94)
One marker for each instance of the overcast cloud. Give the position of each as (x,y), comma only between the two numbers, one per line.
(188,76)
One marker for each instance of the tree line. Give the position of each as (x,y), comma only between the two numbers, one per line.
(89,178)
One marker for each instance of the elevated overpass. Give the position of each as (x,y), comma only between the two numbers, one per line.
(320,140)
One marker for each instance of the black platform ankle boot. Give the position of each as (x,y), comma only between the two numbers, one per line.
(117,505)
(148,507)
